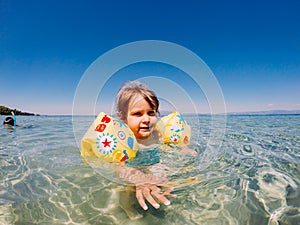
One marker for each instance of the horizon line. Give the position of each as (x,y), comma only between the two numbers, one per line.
(261,112)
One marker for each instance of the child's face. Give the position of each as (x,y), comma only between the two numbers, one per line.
(141,118)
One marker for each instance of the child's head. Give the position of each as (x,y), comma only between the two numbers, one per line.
(137,106)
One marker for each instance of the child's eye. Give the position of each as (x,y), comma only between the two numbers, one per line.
(136,113)
(151,113)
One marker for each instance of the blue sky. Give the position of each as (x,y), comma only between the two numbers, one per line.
(252,47)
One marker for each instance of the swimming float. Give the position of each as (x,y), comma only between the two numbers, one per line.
(109,139)
(174,129)
(112,140)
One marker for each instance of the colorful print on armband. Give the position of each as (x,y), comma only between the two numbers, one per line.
(106,143)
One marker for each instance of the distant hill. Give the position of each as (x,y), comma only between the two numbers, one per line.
(7,111)
(269,112)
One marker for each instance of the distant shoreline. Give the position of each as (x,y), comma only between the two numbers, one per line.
(5,111)
(268,112)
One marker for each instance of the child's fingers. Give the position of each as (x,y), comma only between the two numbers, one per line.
(194,153)
(161,195)
(168,193)
(149,193)
(168,190)
(166,187)
(161,198)
(144,192)
(140,198)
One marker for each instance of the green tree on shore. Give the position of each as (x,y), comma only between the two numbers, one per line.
(7,111)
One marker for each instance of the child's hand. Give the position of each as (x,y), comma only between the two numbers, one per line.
(148,187)
(153,194)
(186,149)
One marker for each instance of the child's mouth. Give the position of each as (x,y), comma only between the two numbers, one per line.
(145,128)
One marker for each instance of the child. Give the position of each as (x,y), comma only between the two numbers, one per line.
(137,106)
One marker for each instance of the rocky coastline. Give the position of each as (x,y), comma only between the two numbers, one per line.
(7,111)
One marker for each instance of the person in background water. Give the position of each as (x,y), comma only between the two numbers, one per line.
(9,121)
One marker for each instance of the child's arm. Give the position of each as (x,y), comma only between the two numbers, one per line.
(147,186)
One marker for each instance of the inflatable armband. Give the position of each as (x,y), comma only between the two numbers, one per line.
(109,139)
(174,129)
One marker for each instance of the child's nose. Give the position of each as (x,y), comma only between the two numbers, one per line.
(146,119)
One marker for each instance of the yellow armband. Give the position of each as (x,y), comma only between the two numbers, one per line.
(109,139)
(174,129)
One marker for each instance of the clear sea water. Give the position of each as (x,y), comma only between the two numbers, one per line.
(253,178)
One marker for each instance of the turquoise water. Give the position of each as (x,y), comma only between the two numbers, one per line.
(253,178)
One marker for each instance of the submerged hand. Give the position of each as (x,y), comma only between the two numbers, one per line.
(186,149)
(148,187)
(153,194)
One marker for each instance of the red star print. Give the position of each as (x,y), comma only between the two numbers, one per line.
(106,143)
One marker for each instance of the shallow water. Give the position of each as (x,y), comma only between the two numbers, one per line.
(253,178)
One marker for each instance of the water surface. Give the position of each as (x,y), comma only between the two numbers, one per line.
(253,178)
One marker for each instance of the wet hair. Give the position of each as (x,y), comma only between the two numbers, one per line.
(128,91)
(9,120)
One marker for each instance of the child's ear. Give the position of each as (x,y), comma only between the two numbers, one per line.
(120,115)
